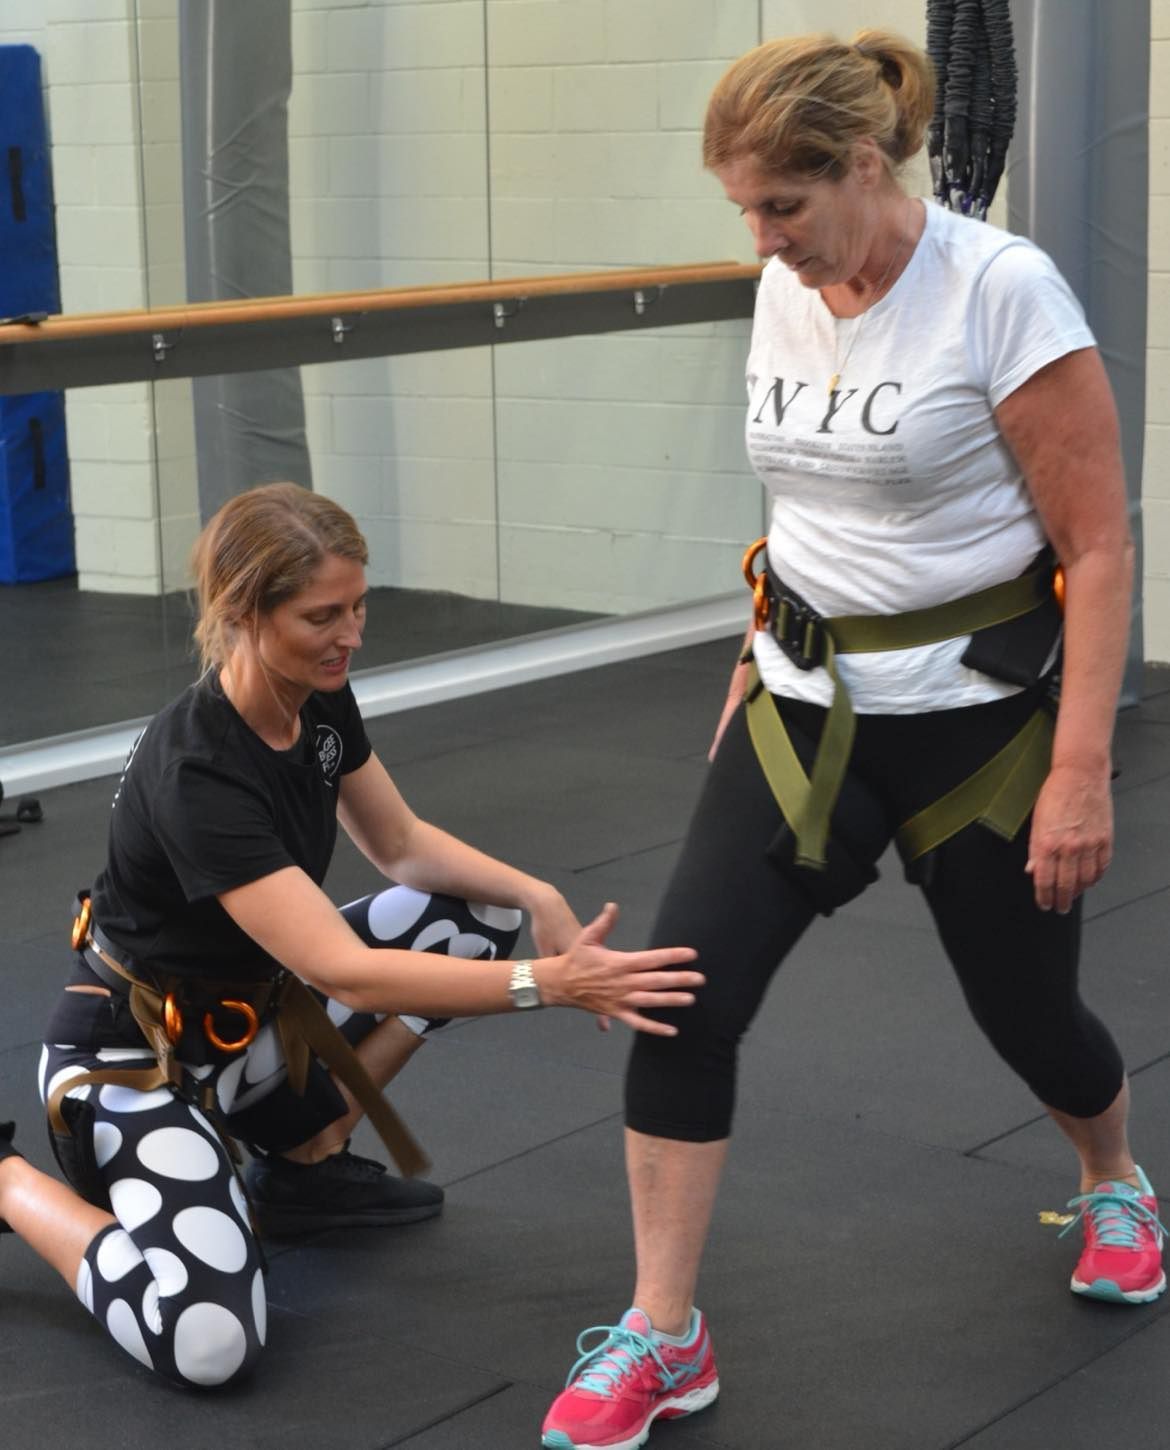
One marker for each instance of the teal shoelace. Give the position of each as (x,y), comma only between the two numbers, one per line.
(1117,1218)
(602,1367)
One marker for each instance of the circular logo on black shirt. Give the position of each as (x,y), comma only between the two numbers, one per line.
(328,751)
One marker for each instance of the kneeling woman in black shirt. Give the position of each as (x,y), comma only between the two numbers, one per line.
(187,1022)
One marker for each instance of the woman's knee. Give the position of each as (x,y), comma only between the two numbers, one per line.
(192,1327)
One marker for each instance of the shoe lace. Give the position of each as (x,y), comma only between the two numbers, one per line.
(356,1166)
(1118,1220)
(602,1365)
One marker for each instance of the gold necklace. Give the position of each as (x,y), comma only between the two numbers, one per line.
(839,367)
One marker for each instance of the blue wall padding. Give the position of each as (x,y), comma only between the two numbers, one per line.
(36,524)
(28,276)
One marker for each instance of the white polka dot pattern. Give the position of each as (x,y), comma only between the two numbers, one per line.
(239,1202)
(106,1141)
(210,1344)
(151,1313)
(123,1325)
(228,1083)
(470,944)
(177,1282)
(201,1119)
(260,1307)
(212,1237)
(264,1057)
(500,918)
(170,1272)
(117,1099)
(116,1256)
(434,935)
(84,1286)
(67,1074)
(394,912)
(178,1153)
(135,1202)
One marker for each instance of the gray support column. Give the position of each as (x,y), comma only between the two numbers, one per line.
(1078,185)
(236,69)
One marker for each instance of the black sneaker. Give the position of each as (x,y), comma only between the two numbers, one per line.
(7,1151)
(342,1191)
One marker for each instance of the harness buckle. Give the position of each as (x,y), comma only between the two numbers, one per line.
(797,629)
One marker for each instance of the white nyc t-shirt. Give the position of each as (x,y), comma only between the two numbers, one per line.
(897,491)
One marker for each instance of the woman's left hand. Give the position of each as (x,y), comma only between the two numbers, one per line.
(1072,835)
(555,928)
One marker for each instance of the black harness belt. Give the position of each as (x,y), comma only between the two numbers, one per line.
(303,1024)
(999,795)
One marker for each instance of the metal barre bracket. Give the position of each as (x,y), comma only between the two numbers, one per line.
(501,311)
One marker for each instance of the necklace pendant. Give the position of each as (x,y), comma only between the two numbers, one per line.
(833,381)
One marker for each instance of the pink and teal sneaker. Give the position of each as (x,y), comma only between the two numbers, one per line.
(626,1381)
(1122,1258)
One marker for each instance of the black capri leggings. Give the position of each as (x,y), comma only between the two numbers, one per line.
(743,912)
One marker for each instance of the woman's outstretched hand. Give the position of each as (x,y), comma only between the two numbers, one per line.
(597,979)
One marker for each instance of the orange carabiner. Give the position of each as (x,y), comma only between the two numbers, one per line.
(757,583)
(251,1026)
(172,1019)
(81,923)
(1058,586)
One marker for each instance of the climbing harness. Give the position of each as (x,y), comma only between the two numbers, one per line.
(999,795)
(163,1006)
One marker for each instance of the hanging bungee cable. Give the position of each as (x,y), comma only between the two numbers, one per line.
(970,43)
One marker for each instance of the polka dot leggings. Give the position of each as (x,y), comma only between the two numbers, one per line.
(177,1280)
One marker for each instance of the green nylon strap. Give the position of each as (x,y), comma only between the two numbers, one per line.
(774,751)
(999,795)
(808,801)
(869,633)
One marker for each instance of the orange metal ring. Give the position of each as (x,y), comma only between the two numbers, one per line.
(757,583)
(172,1018)
(1058,586)
(251,1026)
(81,925)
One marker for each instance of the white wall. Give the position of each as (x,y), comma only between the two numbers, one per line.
(388,188)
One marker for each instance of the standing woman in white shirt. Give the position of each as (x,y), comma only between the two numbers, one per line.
(933,423)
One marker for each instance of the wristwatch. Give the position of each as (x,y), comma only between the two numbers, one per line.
(522,987)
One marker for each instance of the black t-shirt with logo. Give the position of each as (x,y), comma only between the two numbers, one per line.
(203,806)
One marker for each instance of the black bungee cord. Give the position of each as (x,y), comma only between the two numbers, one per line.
(970,44)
